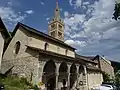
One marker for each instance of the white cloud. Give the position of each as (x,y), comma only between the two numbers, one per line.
(10,17)
(29,12)
(9,14)
(47,18)
(61,9)
(72,22)
(42,3)
(10,3)
(86,3)
(93,27)
(76,43)
(66,14)
(99,32)
(76,3)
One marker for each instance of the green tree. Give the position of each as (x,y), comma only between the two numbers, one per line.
(116,14)
(106,77)
(117,78)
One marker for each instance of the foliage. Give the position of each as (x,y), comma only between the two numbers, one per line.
(116,14)
(117,78)
(106,77)
(15,83)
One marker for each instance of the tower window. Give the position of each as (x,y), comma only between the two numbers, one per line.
(53,34)
(59,34)
(60,27)
(66,51)
(17,47)
(46,46)
(53,26)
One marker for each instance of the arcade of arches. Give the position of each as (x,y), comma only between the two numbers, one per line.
(63,75)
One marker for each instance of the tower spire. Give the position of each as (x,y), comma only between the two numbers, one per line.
(57,4)
(57,11)
(56,25)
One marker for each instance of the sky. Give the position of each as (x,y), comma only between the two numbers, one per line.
(89,26)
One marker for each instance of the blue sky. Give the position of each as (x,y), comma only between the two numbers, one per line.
(88,23)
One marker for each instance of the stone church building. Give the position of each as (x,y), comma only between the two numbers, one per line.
(47,59)
(4,35)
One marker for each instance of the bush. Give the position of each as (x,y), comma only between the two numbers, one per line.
(15,83)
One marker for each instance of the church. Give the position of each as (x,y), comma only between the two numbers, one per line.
(4,36)
(48,59)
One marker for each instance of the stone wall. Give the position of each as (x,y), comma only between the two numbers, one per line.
(24,67)
(94,79)
(39,42)
(106,67)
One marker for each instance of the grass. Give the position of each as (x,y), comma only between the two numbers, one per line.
(15,83)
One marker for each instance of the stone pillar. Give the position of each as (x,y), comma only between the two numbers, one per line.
(57,75)
(85,79)
(78,77)
(56,87)
(40,71)
(68,83)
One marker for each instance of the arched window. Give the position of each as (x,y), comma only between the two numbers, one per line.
(46,46)
(17,47)
(66,51)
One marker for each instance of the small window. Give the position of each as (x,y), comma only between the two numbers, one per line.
(60,27)
(53,26)
(53,34)
(46,46)
(17,47)
(59,34)
(66,51)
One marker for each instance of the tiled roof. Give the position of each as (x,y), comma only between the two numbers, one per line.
(85,58)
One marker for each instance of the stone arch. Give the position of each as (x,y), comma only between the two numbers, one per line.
(63,74)
(82,76)
(73,75)
(81,70)
(63,67)
(49,67)
(49,74)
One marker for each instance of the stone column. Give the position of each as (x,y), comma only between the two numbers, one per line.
(56,87)
(77,76)
(40,71)
(68,83)
(57,75)
(85,79)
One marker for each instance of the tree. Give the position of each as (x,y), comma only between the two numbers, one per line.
(117,78)
(116,14)
(106,77)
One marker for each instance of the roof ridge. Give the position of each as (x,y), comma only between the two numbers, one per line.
(4,27)
(41,33)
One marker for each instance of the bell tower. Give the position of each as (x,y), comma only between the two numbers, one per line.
(56,25)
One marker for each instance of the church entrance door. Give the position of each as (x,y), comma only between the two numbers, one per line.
(51,84)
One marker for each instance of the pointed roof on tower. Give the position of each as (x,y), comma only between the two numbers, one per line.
(57,11)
